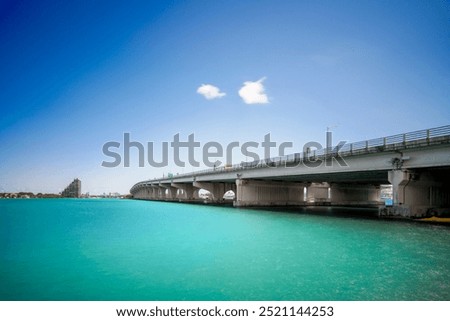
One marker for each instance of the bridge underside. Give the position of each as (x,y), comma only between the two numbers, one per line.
(417,169)
(369,177)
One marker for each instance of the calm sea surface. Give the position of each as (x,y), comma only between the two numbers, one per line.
(61,249)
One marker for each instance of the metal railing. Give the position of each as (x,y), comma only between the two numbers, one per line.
(414,139)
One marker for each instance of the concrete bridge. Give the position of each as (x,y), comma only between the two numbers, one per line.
(416,164)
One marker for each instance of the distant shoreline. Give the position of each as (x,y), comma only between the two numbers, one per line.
(30,195)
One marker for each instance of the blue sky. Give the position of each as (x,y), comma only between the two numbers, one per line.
(75,75)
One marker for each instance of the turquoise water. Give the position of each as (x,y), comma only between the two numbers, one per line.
(62,249)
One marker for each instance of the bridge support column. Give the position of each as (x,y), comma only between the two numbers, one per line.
(171,191)
(139,194)
(158,192)
(190,192)
(143,193)
(318,193)
(415,193)
(155,192)
(355,194)
(151,193)
(147,193)
(268,193)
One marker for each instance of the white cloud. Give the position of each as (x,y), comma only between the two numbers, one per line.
(210,92)
(253,92)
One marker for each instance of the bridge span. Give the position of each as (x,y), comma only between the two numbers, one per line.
(416,164)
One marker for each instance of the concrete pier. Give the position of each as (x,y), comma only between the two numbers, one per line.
(169,191)
(417,192)
(190,192)
(318,193)
(268,193)
(355,195)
